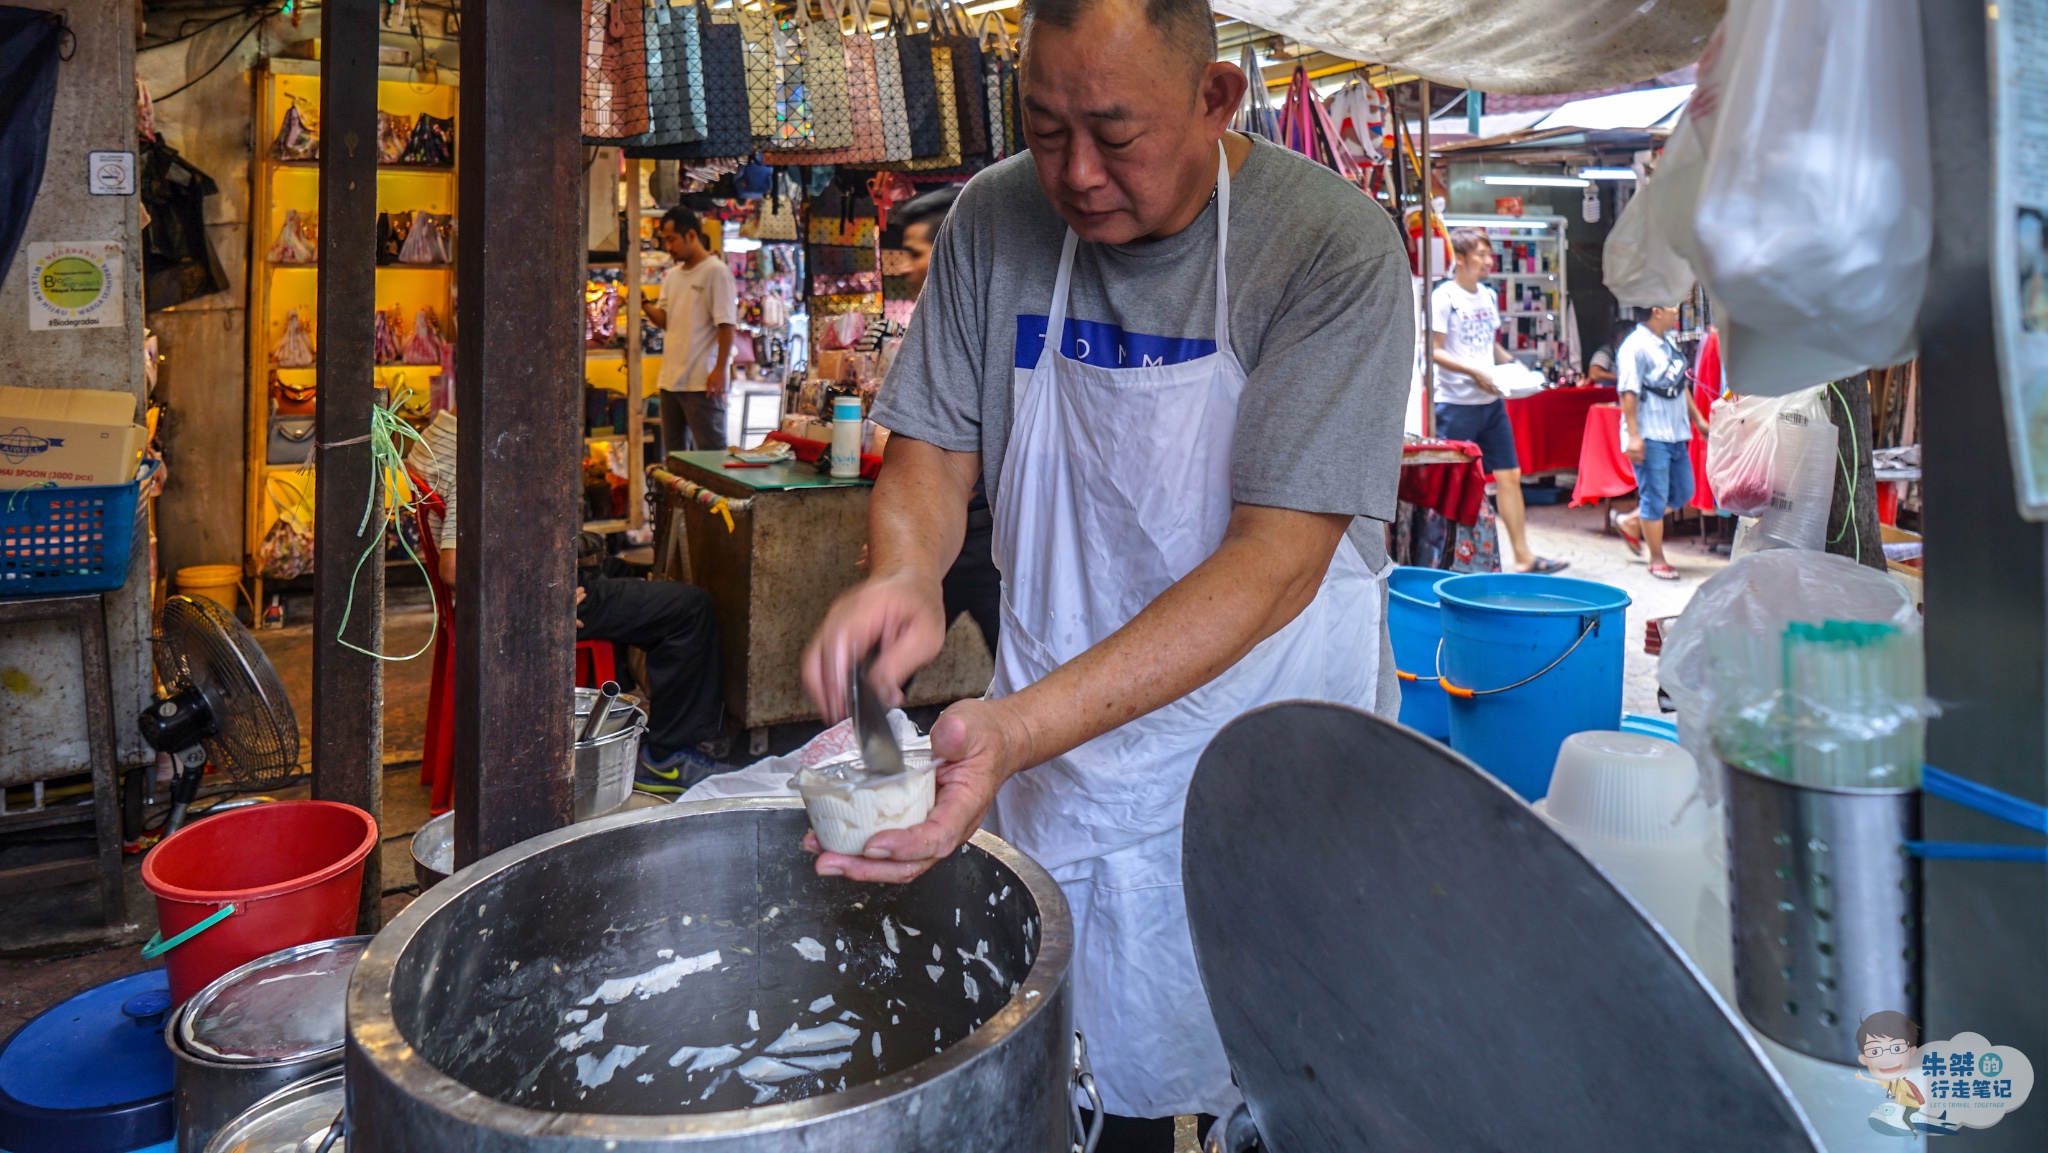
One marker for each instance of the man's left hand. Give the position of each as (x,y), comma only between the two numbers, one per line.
(579,604)
(715,383)
(980,746)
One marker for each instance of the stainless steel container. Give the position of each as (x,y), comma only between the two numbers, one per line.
(433,851)
(1826,909)
(484,1016)
(265,1025)
(298,1118)
(604,764)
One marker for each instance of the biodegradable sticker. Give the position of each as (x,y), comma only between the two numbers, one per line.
(75,284)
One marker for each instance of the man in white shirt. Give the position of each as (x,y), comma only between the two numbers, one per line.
(697,308)
(1464,325)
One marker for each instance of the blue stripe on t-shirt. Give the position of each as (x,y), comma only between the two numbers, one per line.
(1107,345)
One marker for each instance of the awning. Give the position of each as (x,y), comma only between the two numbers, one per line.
(1603,125)
(1523,46)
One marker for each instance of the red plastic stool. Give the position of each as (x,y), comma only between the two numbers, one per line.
(594,664)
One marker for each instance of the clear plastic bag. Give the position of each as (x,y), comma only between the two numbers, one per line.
(1814,217)
(1638,264)
(1722,658)
(1749,455)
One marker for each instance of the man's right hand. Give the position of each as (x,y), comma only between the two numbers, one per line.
(1635,449)
(1485,381)
(900,617)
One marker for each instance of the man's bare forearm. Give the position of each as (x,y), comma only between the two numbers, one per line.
(917,519)
(1267,570)
(1629,404)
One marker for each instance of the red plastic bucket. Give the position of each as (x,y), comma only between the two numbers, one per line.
(290,870)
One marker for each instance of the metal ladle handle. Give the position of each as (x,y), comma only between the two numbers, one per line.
(600,709)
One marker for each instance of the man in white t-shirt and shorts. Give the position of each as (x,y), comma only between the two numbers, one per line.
(697,308)
(1464,326)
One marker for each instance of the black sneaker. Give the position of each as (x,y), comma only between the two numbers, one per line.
(673,773)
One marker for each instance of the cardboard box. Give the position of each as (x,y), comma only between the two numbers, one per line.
(73,436)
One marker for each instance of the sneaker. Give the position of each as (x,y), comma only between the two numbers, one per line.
(673,773)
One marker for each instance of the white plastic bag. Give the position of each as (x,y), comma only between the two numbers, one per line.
(1755,597)
(1814,218)
(1747,441)
(1638,264)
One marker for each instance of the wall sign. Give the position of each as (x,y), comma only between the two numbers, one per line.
(110,173)
(75,284)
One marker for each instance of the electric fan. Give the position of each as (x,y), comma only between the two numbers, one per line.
(224,704)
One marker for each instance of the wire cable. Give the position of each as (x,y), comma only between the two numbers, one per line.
(253,26)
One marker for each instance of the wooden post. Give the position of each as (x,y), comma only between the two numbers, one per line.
(348,686)
(1852,517)
(518,385)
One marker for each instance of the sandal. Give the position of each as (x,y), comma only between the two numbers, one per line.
(1663,572)
(1544,565)
(1634,543)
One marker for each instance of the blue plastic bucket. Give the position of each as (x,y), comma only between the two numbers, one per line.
(1527,661)
(1415,628)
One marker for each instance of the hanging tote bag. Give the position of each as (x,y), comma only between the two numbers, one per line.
(757,52)
(614,70)
(827,75)
(863,96)
(997,52)
(949,114)
(920,85)
(675,76)
(970,110)
(889,96)
(792,90)
(728,119)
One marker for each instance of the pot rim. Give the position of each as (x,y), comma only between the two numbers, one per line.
(178,1036)
(374,1035)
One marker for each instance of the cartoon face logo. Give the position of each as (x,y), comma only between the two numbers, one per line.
(19,445)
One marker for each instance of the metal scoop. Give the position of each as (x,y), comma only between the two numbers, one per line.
(878,747)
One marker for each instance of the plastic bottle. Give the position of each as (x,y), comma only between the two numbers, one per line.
(846,437)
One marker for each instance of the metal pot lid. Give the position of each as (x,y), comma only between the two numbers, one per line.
(281,1007)
(295,1119)
(91,1074)
(1401,955)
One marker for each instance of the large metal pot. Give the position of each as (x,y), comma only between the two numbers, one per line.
(303,1117)
(465,1013)
(257,1029)
(433,846)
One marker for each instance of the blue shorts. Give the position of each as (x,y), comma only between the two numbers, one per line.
(1485,425)
(1664,479)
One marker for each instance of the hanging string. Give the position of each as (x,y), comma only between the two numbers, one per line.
(387,433)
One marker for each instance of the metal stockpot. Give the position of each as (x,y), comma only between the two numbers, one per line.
(300,1118)
(255,1030)
(463,1012)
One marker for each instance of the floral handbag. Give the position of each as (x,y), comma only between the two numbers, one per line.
(432,143)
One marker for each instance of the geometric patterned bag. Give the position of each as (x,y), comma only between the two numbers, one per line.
(757,45)
(863,97)
(675,76)
(948,108)
(971,108)
(997,54)
(889,87)
(792,91)
(825,98)
(728,128)
(614,70)
(920,86)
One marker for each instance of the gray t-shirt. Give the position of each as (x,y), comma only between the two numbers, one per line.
(1321,317)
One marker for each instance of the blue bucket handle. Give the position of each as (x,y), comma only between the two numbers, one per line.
(1589,625)
(1992,803)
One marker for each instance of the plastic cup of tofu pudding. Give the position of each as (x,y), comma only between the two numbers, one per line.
(848,804)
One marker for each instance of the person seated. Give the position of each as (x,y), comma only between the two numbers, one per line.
(672,622)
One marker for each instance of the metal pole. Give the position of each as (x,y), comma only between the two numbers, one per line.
(348,686)
(1428,247)
(1987,585)
(518,382)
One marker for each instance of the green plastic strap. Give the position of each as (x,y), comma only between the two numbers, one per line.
(157,946)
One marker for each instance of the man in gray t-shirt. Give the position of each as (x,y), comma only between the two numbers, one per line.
(1189,499)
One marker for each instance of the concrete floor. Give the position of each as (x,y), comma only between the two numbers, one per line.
(45,957)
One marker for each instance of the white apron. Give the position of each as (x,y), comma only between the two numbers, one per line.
(1116,484)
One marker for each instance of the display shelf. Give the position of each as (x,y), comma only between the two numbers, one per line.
(1532,334)
(279,186)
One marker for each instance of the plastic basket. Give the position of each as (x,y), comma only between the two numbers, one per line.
(68,540)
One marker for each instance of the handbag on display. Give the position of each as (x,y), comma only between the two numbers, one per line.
(774,214)
(287,548)
(295,138)
(424,346)
(291,440)
(384,336)
(792,88)
(920,84)
(292,399)
(757,56)
(868,145)
(600,314)
(728,121)
(889,95)
(393,133)
(948,111)
(828,78)
(432,143)
(675,77)
(998,59)
(428,241)
(391,230)
(614,70)
(293,245)
(294,349)
(969,105)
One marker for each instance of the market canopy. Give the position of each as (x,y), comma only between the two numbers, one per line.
(1519,46)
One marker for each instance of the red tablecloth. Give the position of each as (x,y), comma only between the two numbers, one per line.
(1548,426)
(1454,491)
(1604,469)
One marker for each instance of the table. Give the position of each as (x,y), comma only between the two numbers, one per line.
(793,544)
(1604,470)
(1548,426)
